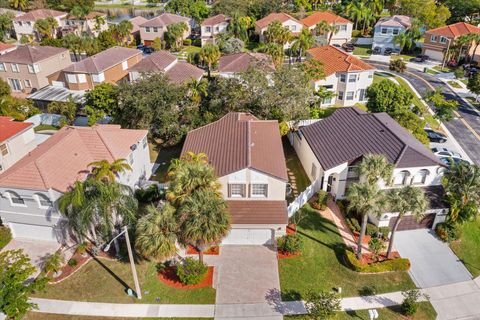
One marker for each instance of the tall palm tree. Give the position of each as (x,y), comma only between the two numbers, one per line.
(275,51)
(197,89)
(465,40)
(355,11)
(209,56)
(376,6)
(80,12)
(476,40)
(156,233)
(122,31)
(204,219)
(406,200)
(21,5)
(368,18)
(105,171)
(325,28)
(303,42)
(374,167)
(366,199)
(277,33)
(46,27)
(99,22)
(239,26)
(402,39)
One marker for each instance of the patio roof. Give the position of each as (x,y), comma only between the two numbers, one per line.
(52,93)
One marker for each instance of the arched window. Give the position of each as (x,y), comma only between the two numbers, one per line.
(401,178)
(421,176)
(15,199)
(43,201)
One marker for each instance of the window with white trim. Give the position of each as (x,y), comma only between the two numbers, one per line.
(43,201)
(294,28)
(236,190)
(350,95)
(395,31)
(259,190)
(343,77)
(384,30)
(33,68)
(15,67)
(2,67)
(401,178)
(352,78)
(28,84)
(147,29)
(208,29)
(82,78)
(155,29)
(443,40)
(71,78)
(125,65)
(433,38)
(15,199)
(420,177)
(4,149)
(340,95)
(100,77)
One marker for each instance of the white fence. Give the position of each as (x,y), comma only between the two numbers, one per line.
(45,118)
(303,197)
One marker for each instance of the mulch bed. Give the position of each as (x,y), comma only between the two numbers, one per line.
(170,278)
(367,257)
(286,255)
(215,250)
(366,238)
(291,228)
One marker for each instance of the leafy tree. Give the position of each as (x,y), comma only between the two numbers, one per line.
(106,40)
(107,172)
(99,22)
(313,69)
(231,7)
(209,56)
(413,124)
(474,84)
(121,32)
(239,26)
(66,109)
(15,270)
(19,109)
(376,246)
(443,108)
(275,51)
(277,33)
(406,200)
(197,89)
(231,45)
(21,5)
(101,101)
(53,262)
(157,44)
(398,65)
(303,42)
(409,305)
(322,305)
(6,24)
(386,96)
(24,39)
(46,27)
(432,15)
(174,35)
(462,10)
(5,89)
(197,9)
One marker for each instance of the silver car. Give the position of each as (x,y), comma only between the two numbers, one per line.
(444,152)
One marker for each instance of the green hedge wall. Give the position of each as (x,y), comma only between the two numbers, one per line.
(399,264)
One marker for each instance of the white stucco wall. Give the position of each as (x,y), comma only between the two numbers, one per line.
(18,146)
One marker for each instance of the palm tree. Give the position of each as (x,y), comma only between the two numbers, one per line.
(325,28)
(209,56)
(105,171)
(368,18)
(275,51)
(204,219)
(355,11)
(303,42)
(99,22)
(197,89)
(239,26)
(375,167)
(277,33)
(174,34)
(406,200)
(366,199)
(402,39)
(80,12)
(46,27)
(376,6)
(122,31)
(476,40)
(21,5)
(156,233)
(464,40)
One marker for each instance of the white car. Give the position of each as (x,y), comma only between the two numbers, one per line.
(444,152)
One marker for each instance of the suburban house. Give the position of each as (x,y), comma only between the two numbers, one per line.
(109,66)
(248,158)
(30,189)
(439,40)
(292,24)
(16,140)
(90,25)
(345,75)
(386,29)
(156,27)
(6,47)
(343,27)
(165,62)
(135,33)
(231,64)
(26,68)
(24,24)
(212,27)
(331,149)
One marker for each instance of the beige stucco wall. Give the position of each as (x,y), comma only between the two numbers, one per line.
(150,36)
(18,146)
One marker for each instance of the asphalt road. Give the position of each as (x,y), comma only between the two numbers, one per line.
(465,127)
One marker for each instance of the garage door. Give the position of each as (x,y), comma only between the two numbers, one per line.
(249,237)
(20,230)
(434,55)
(410,223)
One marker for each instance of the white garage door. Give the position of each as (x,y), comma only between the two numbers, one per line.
(249,237)
(20,230)
(434,55)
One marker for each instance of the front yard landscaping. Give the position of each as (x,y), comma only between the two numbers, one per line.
(115,277)
(363,50)
(467,247)
(321,265)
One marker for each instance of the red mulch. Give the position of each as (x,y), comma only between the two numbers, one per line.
(68,270)
(285,255)
(291,228)
(214,250)
(367,257)
(366,238)
(170,278)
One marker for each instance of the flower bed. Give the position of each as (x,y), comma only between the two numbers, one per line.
(214,250)
(286,255)
(291,228)
(366,238)
(169,277)
(68,269)
(398,264)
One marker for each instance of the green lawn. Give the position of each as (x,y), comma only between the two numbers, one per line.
(297,176)
(440,69)
(50,316)
(454,84)
(107,281)
(321,265)
(431,71)
(467,248)
(163,158)
(362,50)
(187,50)
(44,127)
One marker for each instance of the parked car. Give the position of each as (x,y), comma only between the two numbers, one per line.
(336,45)
(388,51)
(348,47)
(377,50)
(444,152)
(449,160)
(148,50)
(435,136)
(421,58)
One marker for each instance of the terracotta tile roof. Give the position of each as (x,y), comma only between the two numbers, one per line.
(10,128)
(455,30)
(90,15)
(157,61)
(238,141)
(6,46)
(395,21)
(62,159)
(349,133)
(219,18)
(258,211)
(40,14)
(318,16)
(183,71)
(239,62)
(103,60)
(28,54)
(336,60)
(136,22)
(165,19)
(282,17)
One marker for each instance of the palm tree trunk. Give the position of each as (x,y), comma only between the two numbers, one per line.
(93,233)
(362,235)
(473,54)
(390,244)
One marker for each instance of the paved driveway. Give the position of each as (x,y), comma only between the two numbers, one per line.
(433,263)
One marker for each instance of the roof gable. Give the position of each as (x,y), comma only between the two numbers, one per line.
(165,19)
(319,16)
(238,62)
(455,30)
(336,60)
(10,128)
(219,18)
(275,16)
(28,54)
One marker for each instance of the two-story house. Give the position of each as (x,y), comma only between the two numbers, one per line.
(343,27)
(247,155)
(386,29)
(331,149)
(90,25)
(164,62)
(212,27)
(16,140)
(30,189)
(231,65)
(156,27)
(346,76)
(24,24)
(135,32)
(26,68)
(289,22)
(438,41)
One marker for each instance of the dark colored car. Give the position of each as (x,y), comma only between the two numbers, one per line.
(421,58)
(388,51)
(337,45)
(377,50)
(148,50)
(348,47)
(449,160)
(435,136)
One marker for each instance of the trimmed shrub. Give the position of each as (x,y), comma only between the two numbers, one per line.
(321,202)
(290,243)
(150,194)
(5,236)
(356,33)
(372,230)
(376,246)
(353,224)
(82,248)
(448,231)
(197,42)
(191,271)
(398,264)
(187,42)
(383,232)
(410,302)
(398,65)
(72,262)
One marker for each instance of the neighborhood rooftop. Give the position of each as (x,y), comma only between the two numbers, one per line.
(165,19)
(395,21)
(258,212)
(10,128)
(336,60)
(239,62)
(317,17)
(238,141)
(455,30)
(350,133)
(39,14)
(28,54)
(282,17)
(219,18)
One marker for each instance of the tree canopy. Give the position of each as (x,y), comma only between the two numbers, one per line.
(197,9)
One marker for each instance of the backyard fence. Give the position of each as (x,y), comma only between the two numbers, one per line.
(303,197)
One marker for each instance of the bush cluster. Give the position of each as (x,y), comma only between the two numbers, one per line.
(399,264)
(410,302)
(191,271)
(321,202)
(448,231)
(72,262)
(5,236)
(290,243)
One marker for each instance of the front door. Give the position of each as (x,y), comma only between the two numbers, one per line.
(329,183)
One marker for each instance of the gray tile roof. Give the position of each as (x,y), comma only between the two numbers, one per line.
(165,19)
(350,133)
(28,54)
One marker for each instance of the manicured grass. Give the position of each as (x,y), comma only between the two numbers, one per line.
(44,127)
(5,236)
(295,167)
(326,112)
(187,50)
(431,71)
(361,106)
(377,77)
(50,316)
(467,248)
(454,84)
(362,50)
(163,158)
(440,69)
(107,281)
(321,265)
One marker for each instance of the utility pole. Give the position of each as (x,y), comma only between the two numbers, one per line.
(132,264)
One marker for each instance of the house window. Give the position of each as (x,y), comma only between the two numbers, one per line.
(71,78)
(145,143)
(125,65)
(443,40)
(28,84)
(236,190)
(33,68)
(155,29)
(4,149)
(433,38)
(294,28)
(401,178)
(208,29)
(352,78)
(362,96)
(343,77)
(130,158)
(313,172)
(350,95)
(327,100)
(82,78)
(340,95)
(395,31)
(15,199)
(217,29)
(420,177)
(2,67)
(370,75)
(15,84)
(384,30)
(342,27)
(147,29)
(259,190)
(43,202)
(98,77)
(15,67)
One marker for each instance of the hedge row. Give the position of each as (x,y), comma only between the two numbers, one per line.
(5,236)
(399,264)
